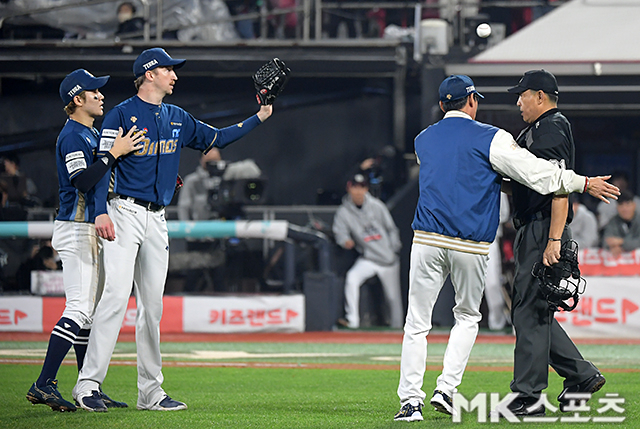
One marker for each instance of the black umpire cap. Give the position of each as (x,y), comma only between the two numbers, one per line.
(538,80)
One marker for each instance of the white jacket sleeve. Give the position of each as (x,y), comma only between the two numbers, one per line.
(544,177)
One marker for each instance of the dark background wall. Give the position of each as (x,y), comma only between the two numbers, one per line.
(321,128)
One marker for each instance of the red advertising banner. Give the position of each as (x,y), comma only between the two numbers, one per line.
(610,307)
(600,262)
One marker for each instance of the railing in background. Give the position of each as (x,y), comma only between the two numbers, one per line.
(311,11)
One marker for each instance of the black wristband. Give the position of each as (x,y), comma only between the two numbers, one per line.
(555,239)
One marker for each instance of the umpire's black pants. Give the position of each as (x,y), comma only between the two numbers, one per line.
(540,340)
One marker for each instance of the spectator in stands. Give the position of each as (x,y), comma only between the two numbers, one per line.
(42,258)
(284,26)
(245,27)
(364,222)
(606,212)
(129,25)
(18,191)
(584,226)
(622,233)
(18,188)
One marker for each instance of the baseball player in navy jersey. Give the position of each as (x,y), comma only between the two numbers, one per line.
(74,235)
(134,196)
(462,163)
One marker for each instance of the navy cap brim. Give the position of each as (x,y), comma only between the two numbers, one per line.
(97,83)
(177,63)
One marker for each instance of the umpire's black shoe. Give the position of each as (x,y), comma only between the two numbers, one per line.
(522,407)
(590,385)
(110,403)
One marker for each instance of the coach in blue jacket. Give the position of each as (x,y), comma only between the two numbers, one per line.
(462,163)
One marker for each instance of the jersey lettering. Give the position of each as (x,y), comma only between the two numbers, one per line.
(109,133)
(75,165)
(73,155)
(151,148)
(106,144)
(108,139)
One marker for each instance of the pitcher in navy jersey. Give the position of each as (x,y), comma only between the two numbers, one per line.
(135,195)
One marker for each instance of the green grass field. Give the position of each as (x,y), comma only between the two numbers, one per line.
(294,396)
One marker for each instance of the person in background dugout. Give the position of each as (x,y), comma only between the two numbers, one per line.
(606,212)
(584,225)
(622,233)
(364,222)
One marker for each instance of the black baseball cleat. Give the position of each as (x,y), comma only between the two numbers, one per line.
(50,396)
(110,403)
(521,407)
(590,385)
(409,413)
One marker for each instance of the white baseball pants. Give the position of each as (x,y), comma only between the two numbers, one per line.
(139,256)
(428,272)
(497,318)
(361,271)
(77,245)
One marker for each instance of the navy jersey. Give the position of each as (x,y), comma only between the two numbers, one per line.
(150,173)
(75,151)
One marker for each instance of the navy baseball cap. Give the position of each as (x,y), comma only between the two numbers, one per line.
(456,87)
(152,58)
(538,80)
(78,81)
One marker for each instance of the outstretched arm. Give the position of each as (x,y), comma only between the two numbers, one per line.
(544,177)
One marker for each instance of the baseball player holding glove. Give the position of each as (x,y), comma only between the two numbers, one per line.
(135,195)
(74,235)
(462,162)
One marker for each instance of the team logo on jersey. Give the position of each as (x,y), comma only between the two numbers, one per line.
(177,124)
(133,119)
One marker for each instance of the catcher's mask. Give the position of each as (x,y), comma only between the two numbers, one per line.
(561,281)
